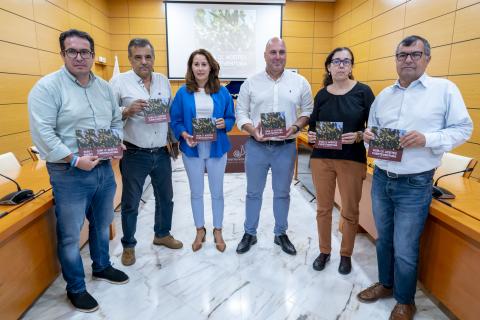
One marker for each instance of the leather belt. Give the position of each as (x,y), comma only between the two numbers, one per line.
(274,142)
(393,175)
(131,146)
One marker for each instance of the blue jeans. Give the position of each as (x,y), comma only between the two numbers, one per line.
(135,165)
(195,168)
(400,208)
(79,194)
(259,158)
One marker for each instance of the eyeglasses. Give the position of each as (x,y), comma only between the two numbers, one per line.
(346,62)
(72,53)
(415,55)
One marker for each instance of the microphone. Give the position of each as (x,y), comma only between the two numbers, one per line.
(17,197)
(442,193)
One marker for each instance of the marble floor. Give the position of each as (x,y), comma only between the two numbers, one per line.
(264,283)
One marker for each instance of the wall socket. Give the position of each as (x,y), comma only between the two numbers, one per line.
(102,59)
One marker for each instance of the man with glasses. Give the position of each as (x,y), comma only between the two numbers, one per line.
(59,103)
(271,91)
(436,120)
(146,142)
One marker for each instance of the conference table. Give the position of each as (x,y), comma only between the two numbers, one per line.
(28,257)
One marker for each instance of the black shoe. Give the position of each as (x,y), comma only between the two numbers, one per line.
(247,241)
(83,301)
(287,246)
(345,265)
(321,261)
(111,275)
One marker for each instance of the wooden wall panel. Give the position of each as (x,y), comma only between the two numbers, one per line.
(421,10)
(21,8)
(470,88)
(147,26)
(464,3)
(304,45)
(119,26)
(47,38)
(49,62)
(388,22)
(382,69)
(14,88)
(99,20)
(438,31)
(78,23)
(146,9)
(299,60)
(50,15)
(467,23)
(362,13)
(18,59)
(381,6)
(361,52)
(16,143)
(322,29)
(80,8)
(438,65)
(14,118)
(323,11)
(322,45)
(341,8)
(300,11)
(17,29)
(361,33)
(297,29)
(385,46)
(462,61)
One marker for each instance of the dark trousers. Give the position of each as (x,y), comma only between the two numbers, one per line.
(135,165)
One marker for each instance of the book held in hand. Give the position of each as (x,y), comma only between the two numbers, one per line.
(104,143)
(273,124)
(329,135)
(204,129)
(386,145)
(156,111)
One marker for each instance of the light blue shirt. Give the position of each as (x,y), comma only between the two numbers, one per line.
(58,105)
(432,106)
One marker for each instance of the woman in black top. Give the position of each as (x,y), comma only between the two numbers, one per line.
(346,101)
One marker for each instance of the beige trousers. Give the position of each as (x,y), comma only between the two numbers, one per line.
(349,175)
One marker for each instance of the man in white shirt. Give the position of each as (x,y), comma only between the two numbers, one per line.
(272,90)
(146,143)
(435,118)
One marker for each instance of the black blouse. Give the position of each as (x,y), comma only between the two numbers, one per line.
(352,109)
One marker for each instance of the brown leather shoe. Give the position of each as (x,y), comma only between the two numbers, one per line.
(374,292)
(128,256)
(168,241)
(403,312)
(199,239)
(218,239)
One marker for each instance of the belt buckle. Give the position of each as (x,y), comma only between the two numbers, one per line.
(391,175)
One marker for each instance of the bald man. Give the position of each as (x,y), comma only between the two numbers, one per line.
(271,91)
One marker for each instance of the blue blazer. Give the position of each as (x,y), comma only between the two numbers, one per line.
(183,111)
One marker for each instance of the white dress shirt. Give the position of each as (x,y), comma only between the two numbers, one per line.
(261,94)
(432,106)
(128,87)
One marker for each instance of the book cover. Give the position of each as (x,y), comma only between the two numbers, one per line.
(329,135)
(204,129)
(273,124)
(104,143)
(386,145)
(156,111)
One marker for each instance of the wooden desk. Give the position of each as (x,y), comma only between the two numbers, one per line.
(27,243)
(28,257)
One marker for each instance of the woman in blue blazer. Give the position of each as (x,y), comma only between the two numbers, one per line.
(203,97)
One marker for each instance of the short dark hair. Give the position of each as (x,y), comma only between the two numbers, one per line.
(410,40)
(139,42)
(75,33)
(213,83)
(327,78)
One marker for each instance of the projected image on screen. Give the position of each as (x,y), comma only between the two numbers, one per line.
(235,34)
(215,29)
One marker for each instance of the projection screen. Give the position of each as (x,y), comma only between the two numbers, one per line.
(235,34)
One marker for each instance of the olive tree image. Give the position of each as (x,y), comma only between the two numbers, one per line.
(229,34)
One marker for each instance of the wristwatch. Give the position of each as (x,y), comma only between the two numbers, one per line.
(298,128)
